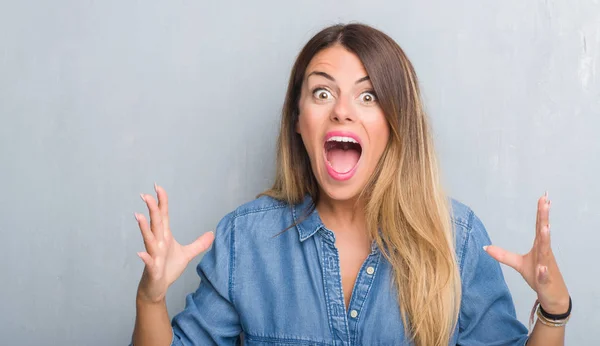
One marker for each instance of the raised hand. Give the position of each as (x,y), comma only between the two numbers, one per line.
(164,257)
(538,267)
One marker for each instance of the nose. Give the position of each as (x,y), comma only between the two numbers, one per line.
(342,112)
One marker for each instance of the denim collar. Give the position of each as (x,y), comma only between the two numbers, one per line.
(308,222)
(306,218)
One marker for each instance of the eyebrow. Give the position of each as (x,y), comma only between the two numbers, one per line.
(325,75)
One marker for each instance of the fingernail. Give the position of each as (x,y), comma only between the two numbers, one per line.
(485,248)
(156,187)
(136,217)
(142,196)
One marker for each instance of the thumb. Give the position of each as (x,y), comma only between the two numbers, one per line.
(199,245)
(508,258)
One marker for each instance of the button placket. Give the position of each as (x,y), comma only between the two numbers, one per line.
(333,288)
(363,284)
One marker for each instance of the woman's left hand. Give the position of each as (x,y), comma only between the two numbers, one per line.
(538,267)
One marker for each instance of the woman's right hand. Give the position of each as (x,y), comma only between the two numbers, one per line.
(164,257)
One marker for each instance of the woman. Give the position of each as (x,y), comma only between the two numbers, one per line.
(355,243)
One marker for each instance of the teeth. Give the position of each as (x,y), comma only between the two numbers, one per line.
(342,139)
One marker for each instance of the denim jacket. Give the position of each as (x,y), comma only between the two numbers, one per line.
(285,288)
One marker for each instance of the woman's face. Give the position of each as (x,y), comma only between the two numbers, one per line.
(343,128)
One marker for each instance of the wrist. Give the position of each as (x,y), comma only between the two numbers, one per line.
(551,318)
(561,306)
(142,299)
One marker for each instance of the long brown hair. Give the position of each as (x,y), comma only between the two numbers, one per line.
(407,212)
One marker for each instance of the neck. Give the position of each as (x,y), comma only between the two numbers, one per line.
(347,214)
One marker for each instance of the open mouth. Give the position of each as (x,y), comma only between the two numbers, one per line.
(342,154)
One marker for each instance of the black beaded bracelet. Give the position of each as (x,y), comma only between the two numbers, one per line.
(557,317)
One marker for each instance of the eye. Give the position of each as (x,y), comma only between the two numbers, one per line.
(322,94)
(368,97)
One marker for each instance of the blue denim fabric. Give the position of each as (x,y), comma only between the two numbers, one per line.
(285,288)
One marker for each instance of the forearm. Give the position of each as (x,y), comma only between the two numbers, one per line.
(152,324)
(543,335)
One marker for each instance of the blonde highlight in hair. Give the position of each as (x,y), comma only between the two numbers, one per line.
(407,211)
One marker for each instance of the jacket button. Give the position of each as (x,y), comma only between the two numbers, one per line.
(353,313)
(370,270)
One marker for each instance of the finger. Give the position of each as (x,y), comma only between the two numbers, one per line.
(508,258)
(145,229)
(156,225)
(146,258)
(163,204)
(544,249)
(542,213)
(199,245)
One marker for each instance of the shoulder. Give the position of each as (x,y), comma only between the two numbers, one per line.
(464,219)
(462,215)
(259,213)
(246,226)
(260,205)
(469,231)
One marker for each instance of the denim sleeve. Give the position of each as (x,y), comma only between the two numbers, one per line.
(209,317)
(487,314)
